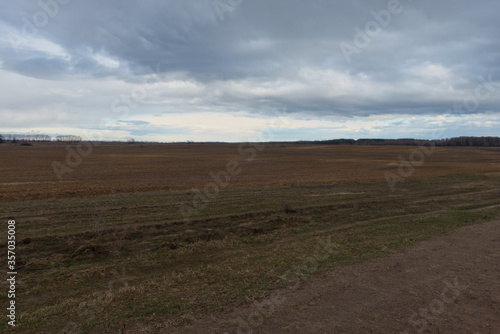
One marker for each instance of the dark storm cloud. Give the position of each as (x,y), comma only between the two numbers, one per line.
(272,42)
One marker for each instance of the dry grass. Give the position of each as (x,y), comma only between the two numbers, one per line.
(138,272)
(27,173)
(93,264)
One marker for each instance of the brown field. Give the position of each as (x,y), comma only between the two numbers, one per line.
(106,250)
(27,173)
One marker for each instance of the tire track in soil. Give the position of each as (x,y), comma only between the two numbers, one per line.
(399,293)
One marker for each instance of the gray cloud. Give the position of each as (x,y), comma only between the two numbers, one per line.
(262,55)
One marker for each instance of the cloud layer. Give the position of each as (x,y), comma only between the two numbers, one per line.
(160,70)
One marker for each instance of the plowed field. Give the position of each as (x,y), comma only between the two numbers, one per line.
(27,172)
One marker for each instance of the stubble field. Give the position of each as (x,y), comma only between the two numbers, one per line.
(107,247)
(27,172)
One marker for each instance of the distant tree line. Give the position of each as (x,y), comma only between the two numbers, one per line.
(69,138)
(30,137)
(471,141)
(39,138)
(456,141)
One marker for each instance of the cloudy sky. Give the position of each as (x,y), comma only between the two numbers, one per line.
(244,70)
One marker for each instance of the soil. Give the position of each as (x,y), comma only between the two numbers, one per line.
(445,285)
(51,170)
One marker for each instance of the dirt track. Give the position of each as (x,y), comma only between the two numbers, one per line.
(445,285)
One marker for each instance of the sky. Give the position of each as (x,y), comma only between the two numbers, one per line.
(250,70)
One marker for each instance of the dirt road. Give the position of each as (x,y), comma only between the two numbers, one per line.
(446,285)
